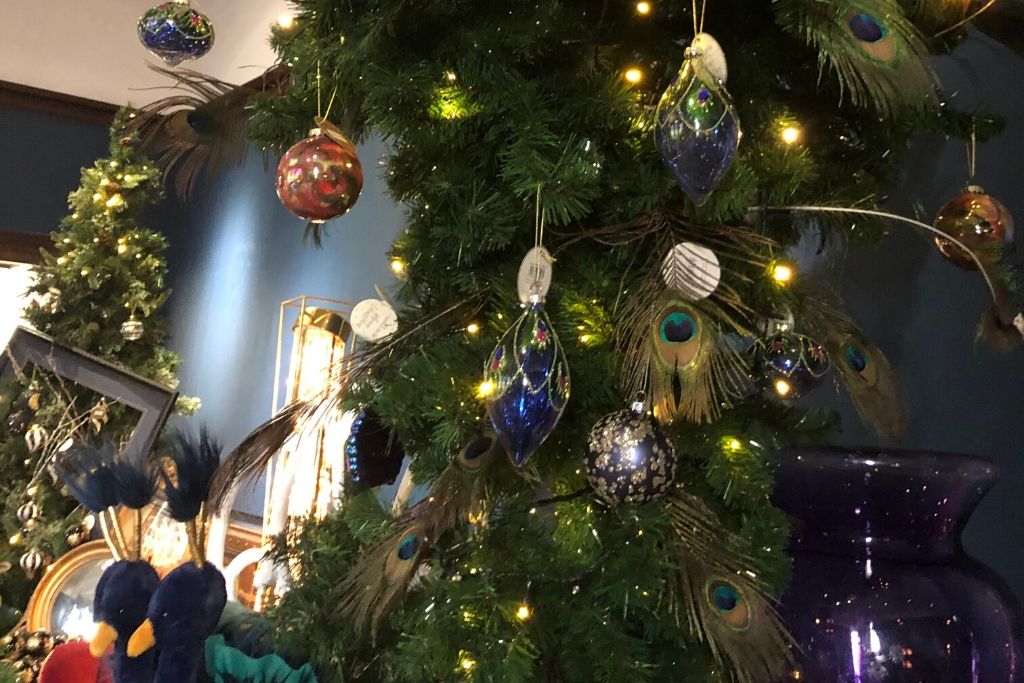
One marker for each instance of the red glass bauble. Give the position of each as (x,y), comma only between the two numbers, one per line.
(320,178)
(980,222)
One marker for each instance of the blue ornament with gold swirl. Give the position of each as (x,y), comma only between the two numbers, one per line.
(528,378)
(697,129)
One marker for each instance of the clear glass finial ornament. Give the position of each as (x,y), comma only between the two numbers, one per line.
(698,131)
(530,383)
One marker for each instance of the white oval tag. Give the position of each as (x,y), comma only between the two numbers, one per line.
(374,319)
(692,270)
(535,275)
(710,57)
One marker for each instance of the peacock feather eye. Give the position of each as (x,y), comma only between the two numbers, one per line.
(729,604)
(856,359)
(866,28)
(859,360)
(408,547)
(678,327)
(725,598)
(477,452)
(871,35)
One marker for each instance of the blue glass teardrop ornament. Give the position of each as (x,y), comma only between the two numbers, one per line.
(697,130)
(529,381)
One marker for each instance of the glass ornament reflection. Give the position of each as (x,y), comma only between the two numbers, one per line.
(697,129)
(530,384)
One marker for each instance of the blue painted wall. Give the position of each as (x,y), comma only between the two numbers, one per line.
(236,254)
(963,396)
(40,162)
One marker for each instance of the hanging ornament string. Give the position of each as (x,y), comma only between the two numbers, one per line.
(698,17)
(322,115)
(972,152)
(538,241)
(330,104)
(319,108)
(534,278)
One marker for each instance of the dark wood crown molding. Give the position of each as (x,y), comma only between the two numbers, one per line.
(21,247)
(28,98)
(18,96)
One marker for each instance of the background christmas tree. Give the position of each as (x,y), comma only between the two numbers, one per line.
(505,574)
(98,290)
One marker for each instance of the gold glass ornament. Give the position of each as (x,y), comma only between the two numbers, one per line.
(980,222)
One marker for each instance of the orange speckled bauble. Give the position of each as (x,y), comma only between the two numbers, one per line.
(320,178)
(979,221)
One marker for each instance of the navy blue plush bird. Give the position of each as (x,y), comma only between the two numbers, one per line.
(185,609)
(122,598)
(182,614)
(100,480)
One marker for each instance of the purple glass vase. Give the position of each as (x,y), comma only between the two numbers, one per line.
(882,591)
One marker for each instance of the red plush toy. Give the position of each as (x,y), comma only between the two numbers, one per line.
(72,663)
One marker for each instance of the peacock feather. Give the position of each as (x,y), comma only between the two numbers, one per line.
(726,606)
(875,50)
(869,378)
(372,588)
(673,334)
(688,368)
(199,127)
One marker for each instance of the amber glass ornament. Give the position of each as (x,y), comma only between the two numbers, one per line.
(320,178)
(980,222)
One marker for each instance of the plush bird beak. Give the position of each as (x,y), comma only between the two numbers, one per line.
(142,640)
(104,638)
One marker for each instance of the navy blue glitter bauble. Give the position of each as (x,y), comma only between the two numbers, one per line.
(175,32)
(372,450)
(528,384)
(789,364)
(629,459)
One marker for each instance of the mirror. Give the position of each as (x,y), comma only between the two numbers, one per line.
(62,602)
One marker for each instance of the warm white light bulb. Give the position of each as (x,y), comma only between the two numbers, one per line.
(782,273)
(486,388)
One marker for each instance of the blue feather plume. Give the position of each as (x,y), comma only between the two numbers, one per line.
(87,471)
(136,482)
(195,462)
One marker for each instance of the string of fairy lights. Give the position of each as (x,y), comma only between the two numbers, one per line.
(451,103)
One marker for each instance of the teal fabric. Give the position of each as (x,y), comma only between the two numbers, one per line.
(225,664)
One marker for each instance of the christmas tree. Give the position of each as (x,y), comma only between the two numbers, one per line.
(98,290)
(619,542)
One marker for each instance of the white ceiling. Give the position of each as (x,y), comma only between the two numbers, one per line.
(89,47)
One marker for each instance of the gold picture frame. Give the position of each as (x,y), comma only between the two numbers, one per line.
(62,602)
